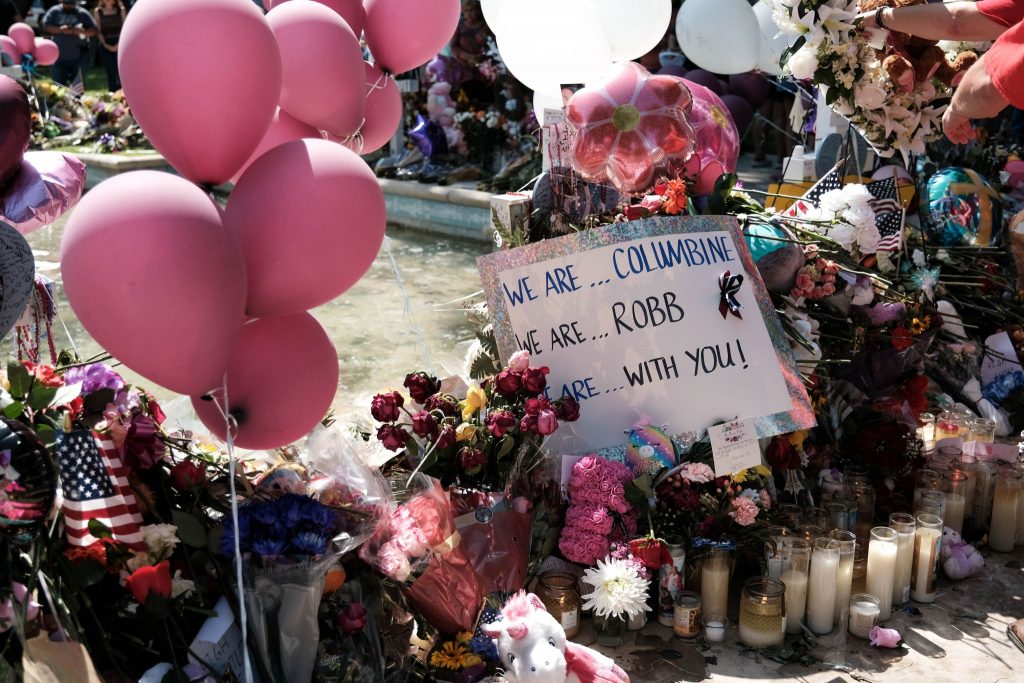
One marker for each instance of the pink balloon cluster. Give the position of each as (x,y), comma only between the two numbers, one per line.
(213,302)
(21,41)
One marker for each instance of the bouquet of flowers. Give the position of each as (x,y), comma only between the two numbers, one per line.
(599,512)
(481,440)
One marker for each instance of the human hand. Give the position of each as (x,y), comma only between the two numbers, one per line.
(865,20)
(957,127)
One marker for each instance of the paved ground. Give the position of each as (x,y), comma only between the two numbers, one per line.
(961,638)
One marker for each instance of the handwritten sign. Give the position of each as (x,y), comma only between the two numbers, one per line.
(734,447)
(663,321)
(999,358)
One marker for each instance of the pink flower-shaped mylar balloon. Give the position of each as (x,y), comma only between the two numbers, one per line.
(630,126)
(718,139)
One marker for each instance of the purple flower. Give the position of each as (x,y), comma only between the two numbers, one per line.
(94,377)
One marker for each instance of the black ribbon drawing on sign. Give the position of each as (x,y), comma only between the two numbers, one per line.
(729,285)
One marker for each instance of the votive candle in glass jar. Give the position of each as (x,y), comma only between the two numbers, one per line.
(865,511)
(558,592)
(809,532)
(714,627)
(968,464)
(821,585)
(927,480)
(832,482)
(956,500)
(882,552)
(1019,467)
(790,515)
(763,612)
(777,535)
(927,541)
(844,574)
(860,569)
(1002,533)
(839,514)
(906,532)
(947,426)
(715,568)
(796,563)
(931,501)
(686,622)
(817,517)
(984,491)
(864,611)
(983,430)
(926,432)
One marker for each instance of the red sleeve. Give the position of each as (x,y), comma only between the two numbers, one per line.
(1005,65)
(1005,12)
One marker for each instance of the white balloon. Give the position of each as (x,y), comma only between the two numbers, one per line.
(773,42)
(492,11)
(634,28)
(568,45)
(720,36)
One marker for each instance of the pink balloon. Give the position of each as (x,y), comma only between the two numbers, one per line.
(283,128)
(383,109)
(741,111)
(156,279)
(350,10)
(323,79)
(292,355)
(46,52)
(46,186)
(403,35)
(10,48)
(24,37)
(310,217)
(718,139)
(202,78)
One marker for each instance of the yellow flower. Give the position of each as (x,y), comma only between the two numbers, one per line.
(475,400)
(454,657)
(465,432)
(740,477)
(463,637)
(796,439)
(918,326)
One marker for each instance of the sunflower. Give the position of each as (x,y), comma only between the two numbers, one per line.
(919,326)
(454,657)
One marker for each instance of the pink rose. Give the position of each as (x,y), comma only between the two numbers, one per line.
(519,361)
(804,282)
(744,511)
(884,637)
(393,562)
(547,422)
(697,473)
(652,202)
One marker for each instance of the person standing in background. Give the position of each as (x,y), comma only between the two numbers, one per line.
(70,26)
(109,16)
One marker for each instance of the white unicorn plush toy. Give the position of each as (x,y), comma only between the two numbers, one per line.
(534,649)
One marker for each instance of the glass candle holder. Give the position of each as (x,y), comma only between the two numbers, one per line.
(1002,532)
(714,627)
(927,541)
(821,585)
(983,430)
(865,511)
(817,517)
(1019,467)
(839,514)
(809,532)
(926,432)
(796,565)
(864,610)
(906,531)
(790,515)
(968,464)
(943,462)
(927,479)
(956,500)
(715,569)
(984,491)
(860,569)
(558,591)
(844,573)
(686,618)
(947,426)
(777,535)
(882,552)
(763,612)
(931,501)
(832,482)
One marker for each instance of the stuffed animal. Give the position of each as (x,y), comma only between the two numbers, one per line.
(910,60)
(959,558)
(534,649)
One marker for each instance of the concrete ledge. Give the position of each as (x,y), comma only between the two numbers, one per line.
(102,166)
(450,211)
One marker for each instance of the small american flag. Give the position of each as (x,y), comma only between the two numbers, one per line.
(888,213)
(77,88)
(95,486)
(830,181)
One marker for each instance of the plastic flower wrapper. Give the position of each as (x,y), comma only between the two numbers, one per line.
(419,545)
(495,529)
(286,543)
(341,479)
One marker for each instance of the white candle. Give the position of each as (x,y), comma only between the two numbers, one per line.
(796,598)
(714,631)
(926,557)
(714,588)
(821,589)
(1003,532)
(882,552)
(904,564)
(864,612)
(844,574)
(954,518)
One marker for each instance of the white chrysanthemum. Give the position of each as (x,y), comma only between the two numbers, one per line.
(618,590)
(160,539)
(803,63)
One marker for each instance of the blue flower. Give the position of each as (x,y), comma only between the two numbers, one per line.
(227,539)
(309,543)
(269,547)
(264,513)
(483,646)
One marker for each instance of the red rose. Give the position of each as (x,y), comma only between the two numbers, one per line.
(650,551)
(528,423)
(43,374)
(446,438)
(535,405)
(568,409)
(146,580)
(508,382)
(386,407)
(155,410)
(186,475)
(421,386)
(352,619)
(499,422)
(781,455)
(448,405)
(393,437)
(547,422)
(535,379)
(902,339)
(424,424)
(472,459)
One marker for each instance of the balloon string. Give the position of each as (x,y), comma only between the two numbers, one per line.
(53,306)
(421,343)
(231,426)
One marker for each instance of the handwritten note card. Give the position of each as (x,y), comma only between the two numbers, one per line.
(632,321)
(734,447)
